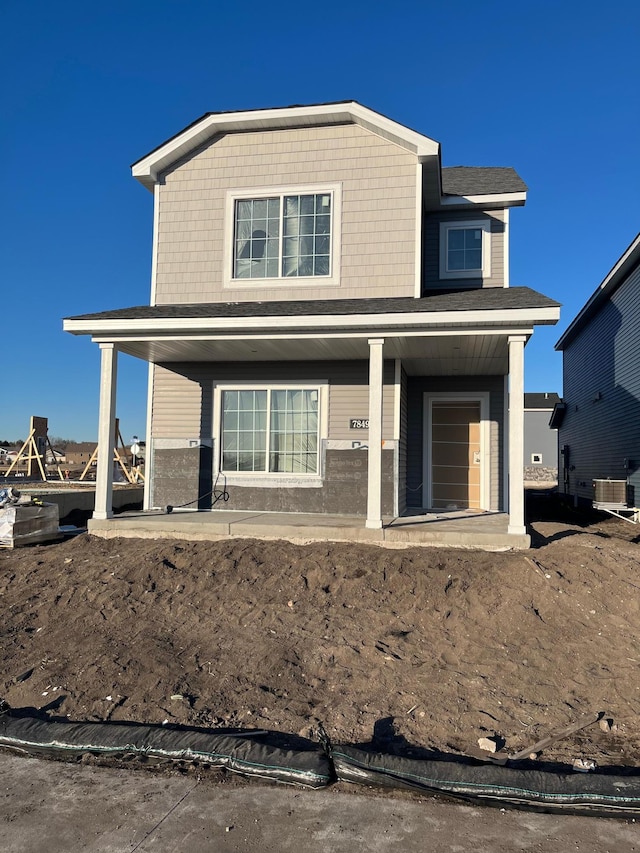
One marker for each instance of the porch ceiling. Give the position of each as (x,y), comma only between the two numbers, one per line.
(442,355)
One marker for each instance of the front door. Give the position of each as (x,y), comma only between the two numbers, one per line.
(454,454)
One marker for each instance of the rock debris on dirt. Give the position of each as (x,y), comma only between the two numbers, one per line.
(405,650)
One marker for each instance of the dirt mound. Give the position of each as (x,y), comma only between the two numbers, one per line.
(452,645)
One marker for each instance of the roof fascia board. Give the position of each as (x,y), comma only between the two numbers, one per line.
(149,167)
(614,278)
(502,332)
(494,199)
(485,318)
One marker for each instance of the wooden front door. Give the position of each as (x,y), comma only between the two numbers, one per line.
(455,454)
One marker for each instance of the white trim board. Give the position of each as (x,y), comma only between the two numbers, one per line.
(479,319)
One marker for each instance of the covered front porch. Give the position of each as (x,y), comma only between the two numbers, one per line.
(484,531)
(375,362)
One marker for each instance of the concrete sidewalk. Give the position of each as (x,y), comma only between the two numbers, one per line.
(68,808)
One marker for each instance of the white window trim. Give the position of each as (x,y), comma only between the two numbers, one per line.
(263,478)
(485,226)
(331,280)
(536,461)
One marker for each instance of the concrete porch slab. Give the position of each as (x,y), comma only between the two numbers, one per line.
(462,529)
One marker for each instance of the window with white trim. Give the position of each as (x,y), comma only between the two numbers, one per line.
(283,235)
(465,249)
(269,430)
(536,458)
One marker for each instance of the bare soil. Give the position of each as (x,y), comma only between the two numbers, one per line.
(405,650)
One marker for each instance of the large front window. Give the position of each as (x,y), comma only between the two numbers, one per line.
(283,236)
(271,430)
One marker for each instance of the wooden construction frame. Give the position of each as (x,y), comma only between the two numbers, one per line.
(133,475)
(29,450)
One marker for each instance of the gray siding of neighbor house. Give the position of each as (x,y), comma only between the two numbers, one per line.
(540,438)
(418,386)
(183,444)
(601,368)
(431,245)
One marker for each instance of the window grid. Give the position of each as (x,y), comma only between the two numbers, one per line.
(283,236)
(270,431)
(244,430)
(464,249)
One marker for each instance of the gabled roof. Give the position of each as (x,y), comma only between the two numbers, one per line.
(617,275)
(147,169)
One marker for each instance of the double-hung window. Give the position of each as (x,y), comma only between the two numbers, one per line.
(269,430)
(284,234)
(465,250)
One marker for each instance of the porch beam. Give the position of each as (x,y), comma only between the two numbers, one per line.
(374,472)
(516,434)
(106,431)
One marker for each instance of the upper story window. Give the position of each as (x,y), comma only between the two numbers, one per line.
(465,249)
(284,233)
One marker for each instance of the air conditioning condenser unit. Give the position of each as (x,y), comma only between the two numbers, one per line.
(610,494)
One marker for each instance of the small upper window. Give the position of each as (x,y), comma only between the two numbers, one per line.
(283,236)
(536,458)
(464,250)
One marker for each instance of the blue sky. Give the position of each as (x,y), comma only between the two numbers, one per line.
(549,88)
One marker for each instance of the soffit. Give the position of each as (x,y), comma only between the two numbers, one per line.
(438,355)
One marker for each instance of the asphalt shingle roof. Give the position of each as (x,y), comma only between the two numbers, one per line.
(481,180)
(480,299)
(536,400)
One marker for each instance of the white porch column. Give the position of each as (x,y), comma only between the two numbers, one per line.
(516,434)
(374,481)
(106,431)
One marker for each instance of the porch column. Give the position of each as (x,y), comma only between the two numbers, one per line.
(374,480)
(516,434)
(106,431)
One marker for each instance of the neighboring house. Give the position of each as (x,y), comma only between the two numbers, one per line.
(54,457)
(78,453)
(331,327)
(540,439)
(600,421)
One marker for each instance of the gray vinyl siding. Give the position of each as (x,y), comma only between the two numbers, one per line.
(418,386)
(540,438)
(402,444)
(431,249)
(601,373)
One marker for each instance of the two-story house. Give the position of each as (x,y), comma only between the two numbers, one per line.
(332,328)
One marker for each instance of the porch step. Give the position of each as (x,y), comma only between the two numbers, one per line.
(483,532)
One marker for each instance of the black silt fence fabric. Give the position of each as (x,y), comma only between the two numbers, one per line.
(248,754)
(312,766)
(579,792)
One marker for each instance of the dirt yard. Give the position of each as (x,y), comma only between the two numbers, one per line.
(452,645)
